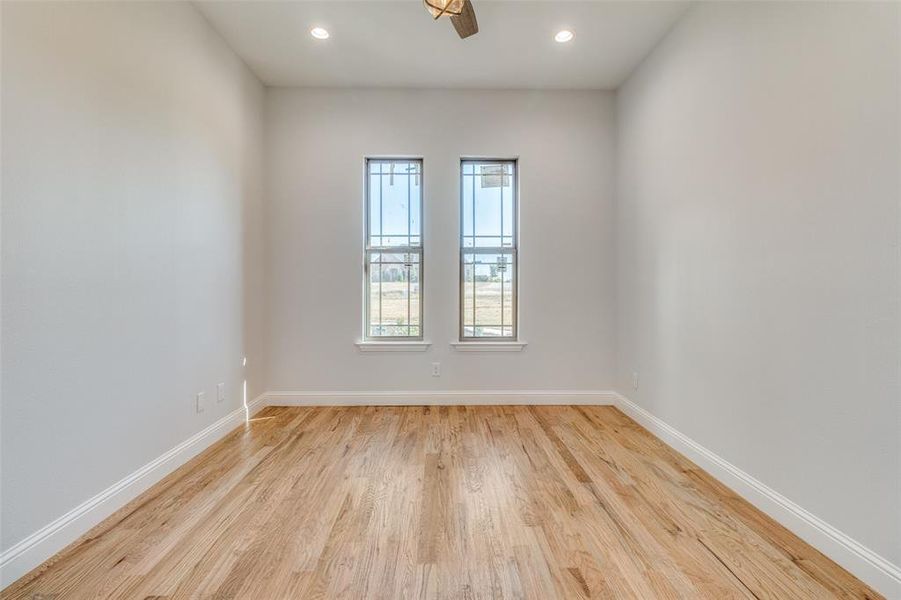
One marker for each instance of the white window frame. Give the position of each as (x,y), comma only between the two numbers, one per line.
(368,250)
(513,251)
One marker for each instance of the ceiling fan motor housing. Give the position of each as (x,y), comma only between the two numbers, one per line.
(444,7)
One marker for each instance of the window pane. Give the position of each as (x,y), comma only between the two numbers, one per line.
(488,294)
(394,294)
(375,208)
(508,216)
(466,217)
(414,304)
(394,209)
(468,296)
(488,303)
(375,295)
(507,296)
(394,204)
(415,183)
(488,207)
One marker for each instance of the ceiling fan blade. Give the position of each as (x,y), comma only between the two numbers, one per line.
(465,23)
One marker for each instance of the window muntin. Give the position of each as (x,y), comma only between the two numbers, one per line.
(488,250)
(393,255)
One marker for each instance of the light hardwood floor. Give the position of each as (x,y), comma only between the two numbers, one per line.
(441,502)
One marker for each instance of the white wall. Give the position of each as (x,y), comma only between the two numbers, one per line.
(758,249)
(131,157)
(316,141)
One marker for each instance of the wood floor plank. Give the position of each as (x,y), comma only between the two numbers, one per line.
(439,502)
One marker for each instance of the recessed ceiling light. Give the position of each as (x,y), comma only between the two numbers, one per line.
(319,33)
(563,36)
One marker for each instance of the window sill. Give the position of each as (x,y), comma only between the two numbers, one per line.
(417,346)
(488,346)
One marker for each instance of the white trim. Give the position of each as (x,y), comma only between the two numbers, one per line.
(440,397)
(50,539)
(370,346)
(867,565)
(488,346)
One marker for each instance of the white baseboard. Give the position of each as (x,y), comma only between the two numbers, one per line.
(436,398)
(868,566)
(44,543)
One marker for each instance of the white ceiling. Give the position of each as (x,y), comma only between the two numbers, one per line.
(376,43)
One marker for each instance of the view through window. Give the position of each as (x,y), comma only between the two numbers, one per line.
(488,261)
(393,260)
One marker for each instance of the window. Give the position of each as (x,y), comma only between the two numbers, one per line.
(393,254)
(488,262)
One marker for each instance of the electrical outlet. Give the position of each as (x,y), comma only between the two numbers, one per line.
(436,369)
(201,402)
(220,392)
(635,380)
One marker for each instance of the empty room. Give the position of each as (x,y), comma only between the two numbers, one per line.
(450,299)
